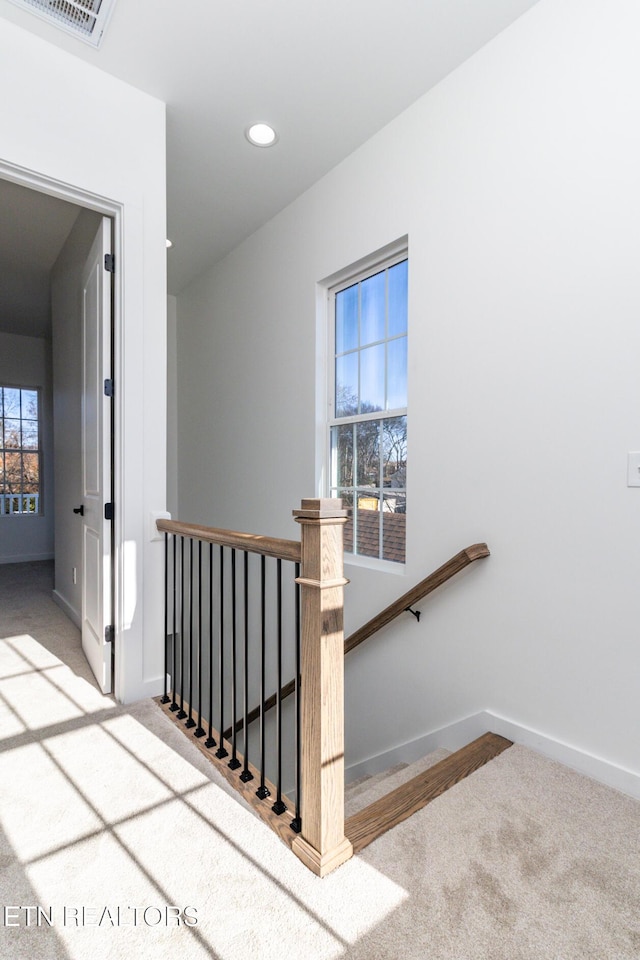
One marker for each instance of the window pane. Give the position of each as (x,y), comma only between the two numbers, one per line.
(347,319)
(398,298)
(347,385)
(368,450)
(11,402)
(29,435)
(368,524)
(397,374)
(12,434)
(29,404)
(394,451)
(31,472)
(372,379)
(12,472)
(347,503)
(342,456)
(394,520)
(372,308)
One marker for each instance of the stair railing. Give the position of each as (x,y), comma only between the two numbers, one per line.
(212,631)
(454,565)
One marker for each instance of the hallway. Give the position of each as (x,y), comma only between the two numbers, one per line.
(110,808)
(26,607)
(117,834)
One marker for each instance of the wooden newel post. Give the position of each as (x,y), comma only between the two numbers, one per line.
(322,845)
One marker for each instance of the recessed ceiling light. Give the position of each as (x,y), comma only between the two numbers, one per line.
(261,135)
(169,244)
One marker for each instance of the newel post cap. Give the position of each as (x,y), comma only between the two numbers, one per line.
(321,508)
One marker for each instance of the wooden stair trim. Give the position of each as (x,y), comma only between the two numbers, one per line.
(279,823)
(367,825)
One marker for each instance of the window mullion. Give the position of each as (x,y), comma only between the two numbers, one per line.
(363,417)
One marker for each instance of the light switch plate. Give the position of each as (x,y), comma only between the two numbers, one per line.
(633,469)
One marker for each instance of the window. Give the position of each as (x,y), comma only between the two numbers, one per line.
(368,408)
(19,451)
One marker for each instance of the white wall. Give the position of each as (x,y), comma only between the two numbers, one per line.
(516,180)
(66,317)
(26,362)
(103,143)
(172,405)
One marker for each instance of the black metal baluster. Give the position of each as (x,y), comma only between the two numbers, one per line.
(246,774)
(165,698)
(221,753)
(263,791)
(190,722)
(234,763)
(296,823)
(210,742)
(278,806)
(174,705)
(180,715)
(199,732)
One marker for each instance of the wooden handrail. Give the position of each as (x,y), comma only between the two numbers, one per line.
(253,542)
(449,569)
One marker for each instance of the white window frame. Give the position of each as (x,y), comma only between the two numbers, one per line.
(325,394)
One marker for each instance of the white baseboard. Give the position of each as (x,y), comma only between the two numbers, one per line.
(32,558)
(66,607)
(604,771)
(461,732)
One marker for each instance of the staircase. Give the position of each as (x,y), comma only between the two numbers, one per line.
(385,800)
(238,604)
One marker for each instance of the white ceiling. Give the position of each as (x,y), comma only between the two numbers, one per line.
(326,74)
(33,229)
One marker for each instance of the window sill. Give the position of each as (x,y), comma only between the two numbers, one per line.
(373,563)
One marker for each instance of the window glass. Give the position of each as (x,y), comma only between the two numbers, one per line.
(372,376)
(347,319)
(397,374)
(347,385)
(372,310)
(398,298)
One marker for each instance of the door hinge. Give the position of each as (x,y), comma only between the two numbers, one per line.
(109,634)
(108,511)
(108,388)
(110,262)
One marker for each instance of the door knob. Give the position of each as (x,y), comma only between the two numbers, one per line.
(79,510)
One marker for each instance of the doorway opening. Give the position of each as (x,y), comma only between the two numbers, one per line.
(58,342)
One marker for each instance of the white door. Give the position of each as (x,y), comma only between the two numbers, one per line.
(96,458)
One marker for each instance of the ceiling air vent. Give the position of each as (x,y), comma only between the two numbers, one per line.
(85,19)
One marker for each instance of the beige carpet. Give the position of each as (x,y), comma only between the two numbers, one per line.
(104,808)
